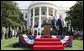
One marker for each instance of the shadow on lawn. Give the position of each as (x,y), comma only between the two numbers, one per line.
(16,45)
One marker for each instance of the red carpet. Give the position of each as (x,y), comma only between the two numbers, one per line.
(48,44)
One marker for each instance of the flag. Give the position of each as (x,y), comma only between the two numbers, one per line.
(26,40)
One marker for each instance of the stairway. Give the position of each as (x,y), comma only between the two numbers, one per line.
(47,44)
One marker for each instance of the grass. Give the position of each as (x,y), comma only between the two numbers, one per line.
(77,45)
(7,44)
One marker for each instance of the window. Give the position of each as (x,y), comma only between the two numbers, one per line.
(51,11)
(55,12)
(25,15)
(31,12)
(36,11)
(36,22)
(43,10)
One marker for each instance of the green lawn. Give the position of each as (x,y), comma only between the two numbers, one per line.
(6,44)
(77,45)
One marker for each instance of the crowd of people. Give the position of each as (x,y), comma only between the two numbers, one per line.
(57,26)
(8,32)
(78,34)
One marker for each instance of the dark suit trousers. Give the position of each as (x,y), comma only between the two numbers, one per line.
(60,30)
(54,28)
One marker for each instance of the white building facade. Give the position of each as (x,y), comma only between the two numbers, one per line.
(38,11)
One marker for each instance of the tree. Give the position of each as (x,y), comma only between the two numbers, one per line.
(10,14)
(75,15)
(10,11)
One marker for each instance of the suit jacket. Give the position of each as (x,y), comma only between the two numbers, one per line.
(54,22)
(60,22)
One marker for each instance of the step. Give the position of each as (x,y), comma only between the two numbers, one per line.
(48,42)
(48,47)
(47,39)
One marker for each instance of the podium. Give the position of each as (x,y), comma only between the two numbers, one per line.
(47,29)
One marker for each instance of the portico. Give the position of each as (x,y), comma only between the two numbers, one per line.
(38,12)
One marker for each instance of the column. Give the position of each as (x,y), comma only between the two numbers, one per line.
(28,23)
(47,12)
(40,20)
(53,12)
(57,14)
(33,21)
(24,15)
(29,18)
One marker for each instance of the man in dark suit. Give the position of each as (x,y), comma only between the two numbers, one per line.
(60,24)
(54,25)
